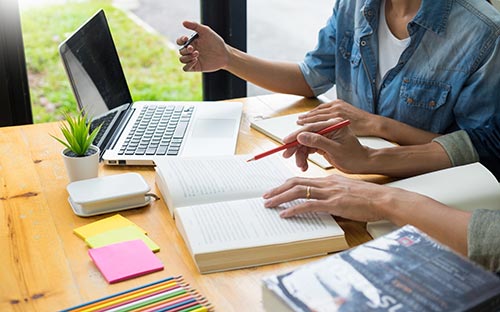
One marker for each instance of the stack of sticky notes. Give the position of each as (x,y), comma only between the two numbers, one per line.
(119,248)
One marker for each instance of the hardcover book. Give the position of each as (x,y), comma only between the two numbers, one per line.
(405,270)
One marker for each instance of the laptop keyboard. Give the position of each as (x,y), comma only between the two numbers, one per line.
(104,121)
(158,130)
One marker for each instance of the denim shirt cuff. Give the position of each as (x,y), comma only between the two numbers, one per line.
(313,79)
(483,239)
(459,147)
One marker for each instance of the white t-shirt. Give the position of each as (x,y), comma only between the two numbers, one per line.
(390,48)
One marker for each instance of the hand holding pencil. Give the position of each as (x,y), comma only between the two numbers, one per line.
(295,143)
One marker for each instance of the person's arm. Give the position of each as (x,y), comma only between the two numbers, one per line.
(367,124)
(401,133)
(282,77)
(446,224)
(210,53)
(364,201)
(404,161)
(484,239)
(343,150)
(486,139)
(459,148)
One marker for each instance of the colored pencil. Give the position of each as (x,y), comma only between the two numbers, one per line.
(170,294)
(89,304)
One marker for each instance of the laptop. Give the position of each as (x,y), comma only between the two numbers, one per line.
(138,133)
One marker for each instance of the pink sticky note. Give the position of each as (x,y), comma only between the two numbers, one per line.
(124,260)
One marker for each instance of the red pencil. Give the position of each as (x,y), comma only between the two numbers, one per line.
(294,143)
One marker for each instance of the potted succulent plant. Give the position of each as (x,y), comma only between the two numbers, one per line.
(81,158)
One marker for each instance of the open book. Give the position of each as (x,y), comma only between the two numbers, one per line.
(465,187)
(219,211)
(277,128)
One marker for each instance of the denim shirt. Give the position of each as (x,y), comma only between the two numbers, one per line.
(447,79)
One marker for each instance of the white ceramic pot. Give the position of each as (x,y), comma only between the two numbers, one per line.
(81,168)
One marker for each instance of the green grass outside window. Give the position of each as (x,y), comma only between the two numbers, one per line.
(151,68)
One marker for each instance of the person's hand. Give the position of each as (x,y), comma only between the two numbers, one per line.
(364,201)
(362,122)
(207,53)
(336,195)
(341,148)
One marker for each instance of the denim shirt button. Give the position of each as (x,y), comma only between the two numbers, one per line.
(406,80)
(432,103)
(409,100)
(363,43)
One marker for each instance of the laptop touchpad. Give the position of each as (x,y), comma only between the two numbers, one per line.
(213,128)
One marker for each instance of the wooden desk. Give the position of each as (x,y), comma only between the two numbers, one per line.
(45,267)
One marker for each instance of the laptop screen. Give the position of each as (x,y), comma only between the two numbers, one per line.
(93,67)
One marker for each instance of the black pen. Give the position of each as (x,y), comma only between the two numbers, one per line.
(190,39)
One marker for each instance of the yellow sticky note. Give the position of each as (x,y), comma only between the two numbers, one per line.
(120,235)
(103,225)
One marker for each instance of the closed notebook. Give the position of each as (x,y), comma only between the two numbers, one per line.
(468,187)
(125,260)
(120,235)
(103,225)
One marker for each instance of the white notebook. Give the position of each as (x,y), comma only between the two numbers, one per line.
(467,187)
(277,128)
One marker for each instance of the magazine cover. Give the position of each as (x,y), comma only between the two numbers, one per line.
(404,270)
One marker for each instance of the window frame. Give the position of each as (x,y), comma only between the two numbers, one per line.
(15,104)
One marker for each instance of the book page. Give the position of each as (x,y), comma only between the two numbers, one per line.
(247,223)
(195,180)
(277,128)
(467,187)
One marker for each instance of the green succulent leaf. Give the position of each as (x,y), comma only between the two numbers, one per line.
(77,134)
